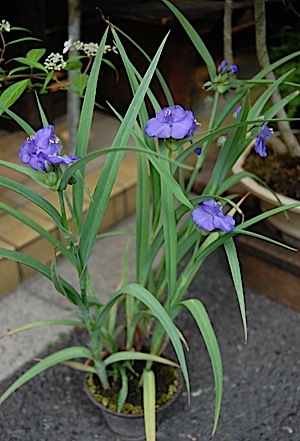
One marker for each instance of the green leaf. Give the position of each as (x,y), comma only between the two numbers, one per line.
(260,103)
(31,63)
(71,292)
(265,215)
(109,172)
(17,69)
(37,176)
(40,230)
(48,362)
(134,355)
(234,265)
(85,124)
(270,113)
(35,54)
(123,392)
(80,81)
(142,214)
(41,112)
(201,317)
(169,229)
(21,40)
(41,323)
(149,400)
(195,39)
(23,124)
(158,311)
(160,77)
(12,93)
(74,63)
(170,181)
(58,285)
(234,144)
(33,197)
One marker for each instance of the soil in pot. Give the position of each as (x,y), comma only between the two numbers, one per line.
(167,385)
(279,172)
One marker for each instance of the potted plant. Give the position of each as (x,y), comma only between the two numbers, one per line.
(276,172)
(173,228)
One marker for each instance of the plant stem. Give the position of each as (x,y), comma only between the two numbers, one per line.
(227,32)
(203,154)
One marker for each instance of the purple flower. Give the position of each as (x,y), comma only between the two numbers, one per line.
(260,146)
(237,111)
(198,150)
(223,66)
(172,122)
(233,69)
(42,150)
(209,216)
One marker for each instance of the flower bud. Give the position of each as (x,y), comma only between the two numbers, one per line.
(50,179)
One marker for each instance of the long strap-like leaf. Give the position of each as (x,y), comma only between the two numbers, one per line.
(109,172)
(195,39)
(85,123)
(237,279)
(46,363)
(201,317)
(158,311)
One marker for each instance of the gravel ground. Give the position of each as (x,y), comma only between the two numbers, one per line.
(261,379)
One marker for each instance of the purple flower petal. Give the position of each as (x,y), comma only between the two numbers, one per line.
(260,146)
(237,111)
(172,122)
(209,216)
(66,160)
(223,66)
(43,148)
(233,69)
(198,150)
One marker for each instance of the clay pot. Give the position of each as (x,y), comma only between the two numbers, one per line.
(287,223)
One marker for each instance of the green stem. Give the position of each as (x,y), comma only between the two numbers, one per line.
(68,236)
(202,156)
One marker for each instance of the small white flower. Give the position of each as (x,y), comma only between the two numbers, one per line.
(55,62)
(90,49)
(109,48)
(78,45)
(67,46)
(4,26)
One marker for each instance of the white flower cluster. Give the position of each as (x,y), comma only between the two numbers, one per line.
(55,62)
(90,49)
(4,26)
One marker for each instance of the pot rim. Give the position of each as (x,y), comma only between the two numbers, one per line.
(257,189)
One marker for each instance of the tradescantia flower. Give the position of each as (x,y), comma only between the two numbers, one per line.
(172,122)
(198,150)
(42,151)
(224,68)
(260,146)
(209,216)
(237,111)
(233,69)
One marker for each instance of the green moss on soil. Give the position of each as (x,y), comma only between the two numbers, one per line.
(167,383)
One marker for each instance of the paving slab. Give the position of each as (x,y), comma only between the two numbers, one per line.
(36,299)
(261,378)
